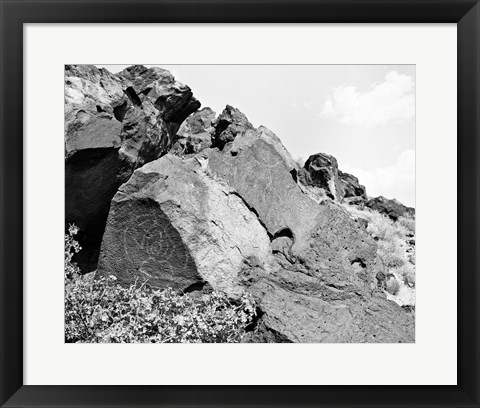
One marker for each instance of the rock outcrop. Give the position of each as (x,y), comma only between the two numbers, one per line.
(174,225)
(217,202)
(320,177)
(113,125)
(321,171)
(229,124)
(391,208)
(196,133)
(300,308)
(351,186)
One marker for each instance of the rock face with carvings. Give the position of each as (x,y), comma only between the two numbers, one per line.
(222,204)
(113,125)
(174,225)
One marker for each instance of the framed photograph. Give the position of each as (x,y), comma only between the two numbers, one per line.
(258,204)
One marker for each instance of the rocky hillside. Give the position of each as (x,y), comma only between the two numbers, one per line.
(183,198)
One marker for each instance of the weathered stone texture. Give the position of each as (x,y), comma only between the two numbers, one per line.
(209,200)
(113,125)
(217,231)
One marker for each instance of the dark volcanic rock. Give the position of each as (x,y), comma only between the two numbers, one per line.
(173,225)
(321,176)
(351,186)
(261,177)
(324,288)
(250,136)
(392,208)
(300,308)
(92,97)
(200,122)
(237,219)
(173,100)
(357,201)
(151,247)
(229,124)
(113,124)
(196,133)
(236,214)
(323,173)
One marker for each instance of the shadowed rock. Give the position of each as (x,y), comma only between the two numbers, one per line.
(196,218)
(391,208)
(113,124)
(322,172)
(229,125)
(351,186)
(173,100)
(149,245)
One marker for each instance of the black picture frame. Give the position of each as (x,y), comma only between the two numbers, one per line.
(14,13)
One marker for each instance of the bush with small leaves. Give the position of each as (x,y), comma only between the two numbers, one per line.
(393,286)
(99,310)
(396,248)
(407,273)
(408,222)
(71,248)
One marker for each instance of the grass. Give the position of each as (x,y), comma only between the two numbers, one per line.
(392,237)
(408,222)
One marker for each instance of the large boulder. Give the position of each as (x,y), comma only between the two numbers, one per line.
(249,136)
(296,307)
(174,225)
(173,100)
(324,239)
(113,125)
(201,121)
(321,171)
(237,219)
(229,124)
(351,186)
(94,107)
(196,132)
(393,209)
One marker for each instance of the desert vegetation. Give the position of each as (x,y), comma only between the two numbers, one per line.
(99,310)
(396,249)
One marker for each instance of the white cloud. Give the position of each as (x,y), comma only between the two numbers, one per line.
(391,100)
(397,181)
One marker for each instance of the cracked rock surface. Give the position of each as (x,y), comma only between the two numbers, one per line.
(113,125)
(193,199)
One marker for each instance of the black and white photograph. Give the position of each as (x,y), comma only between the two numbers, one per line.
(239,203)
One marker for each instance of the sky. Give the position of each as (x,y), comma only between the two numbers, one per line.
(364,115)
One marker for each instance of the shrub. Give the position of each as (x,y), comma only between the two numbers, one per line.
(407,274)
(391,253)
(398,257)
(408,222)
(71,248)
(99,310)
(412,258)
(393,286)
